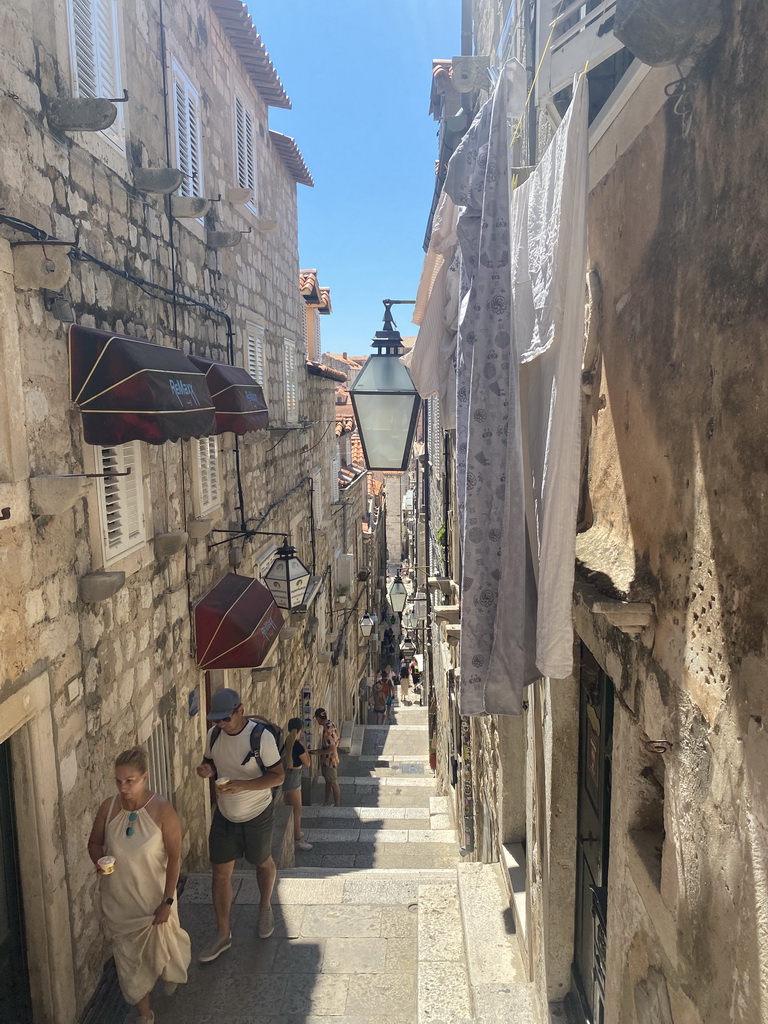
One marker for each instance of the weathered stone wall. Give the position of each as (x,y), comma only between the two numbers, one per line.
(116,667)
(678,478)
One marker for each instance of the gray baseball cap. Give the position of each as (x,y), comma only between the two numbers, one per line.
(224,703)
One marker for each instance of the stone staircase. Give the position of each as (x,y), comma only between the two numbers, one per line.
(380,923)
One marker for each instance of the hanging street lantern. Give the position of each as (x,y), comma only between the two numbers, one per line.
(366,625)
(409,619)
(287,578)
(398,595)
(407,648)
(420,606)
(385,402)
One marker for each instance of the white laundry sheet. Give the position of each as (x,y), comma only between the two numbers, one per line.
(518,358)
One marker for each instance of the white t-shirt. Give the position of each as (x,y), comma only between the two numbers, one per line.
(228,755)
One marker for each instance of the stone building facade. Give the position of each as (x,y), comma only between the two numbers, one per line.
(626,806)
(100,573)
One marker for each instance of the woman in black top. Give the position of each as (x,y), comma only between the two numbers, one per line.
(295,757)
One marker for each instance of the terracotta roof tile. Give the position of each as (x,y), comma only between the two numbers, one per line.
(320,370)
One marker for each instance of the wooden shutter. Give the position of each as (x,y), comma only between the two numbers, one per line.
(186,116)
(254,354)
(208,473)
(245,151)
(291,397)
(121,500)
(335,467)
(95,47)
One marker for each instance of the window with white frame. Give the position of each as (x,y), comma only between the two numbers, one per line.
(245,148)
(254,353)
(161,758)
(121,499)
(291,385)
(208,482)
(95,48)
(187,132)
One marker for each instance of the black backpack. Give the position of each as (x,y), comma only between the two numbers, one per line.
(256,733)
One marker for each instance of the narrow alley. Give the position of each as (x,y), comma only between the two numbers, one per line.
(380,922)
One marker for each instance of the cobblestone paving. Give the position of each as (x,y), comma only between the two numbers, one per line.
(367,925)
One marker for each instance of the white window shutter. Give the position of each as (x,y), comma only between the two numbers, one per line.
(245,146)
(121,500)
(291,391)
(335,467)
(208,473)
(254,353)
(345,566)
(186,116)
(95,48)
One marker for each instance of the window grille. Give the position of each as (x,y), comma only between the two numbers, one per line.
(121,500)
(95,48)
(187,129)
(245,148)
(160,753)
(208,473)
(254,353)
(291,389)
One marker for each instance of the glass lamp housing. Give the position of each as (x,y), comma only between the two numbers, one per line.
(287,578)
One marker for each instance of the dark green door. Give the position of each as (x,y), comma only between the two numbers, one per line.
(14,979)
(594,821)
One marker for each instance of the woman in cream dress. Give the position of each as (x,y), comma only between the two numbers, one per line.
(141,830)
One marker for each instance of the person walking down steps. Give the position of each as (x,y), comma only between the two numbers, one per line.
(246,768)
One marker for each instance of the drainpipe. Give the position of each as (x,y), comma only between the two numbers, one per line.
(466,28)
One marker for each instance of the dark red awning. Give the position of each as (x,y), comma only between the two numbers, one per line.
(131,390)
(238,398)
(236,623)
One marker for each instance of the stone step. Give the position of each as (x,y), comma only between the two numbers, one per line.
(379,835)
(498,982)
(383,780)
(443,984)
(315,811)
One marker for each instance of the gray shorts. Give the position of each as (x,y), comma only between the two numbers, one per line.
(292,779)
(230,840)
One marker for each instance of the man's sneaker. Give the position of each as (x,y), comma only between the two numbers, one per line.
(266,922)
(217,947)
(302,844)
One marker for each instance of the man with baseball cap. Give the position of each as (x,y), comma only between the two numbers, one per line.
(242,821)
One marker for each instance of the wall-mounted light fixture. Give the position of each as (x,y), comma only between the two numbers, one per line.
(287,577)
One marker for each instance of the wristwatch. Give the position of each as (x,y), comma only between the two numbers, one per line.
(169,901)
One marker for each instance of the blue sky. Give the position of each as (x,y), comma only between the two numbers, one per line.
(358,73)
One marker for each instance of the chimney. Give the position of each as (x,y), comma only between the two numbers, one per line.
(343,355)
